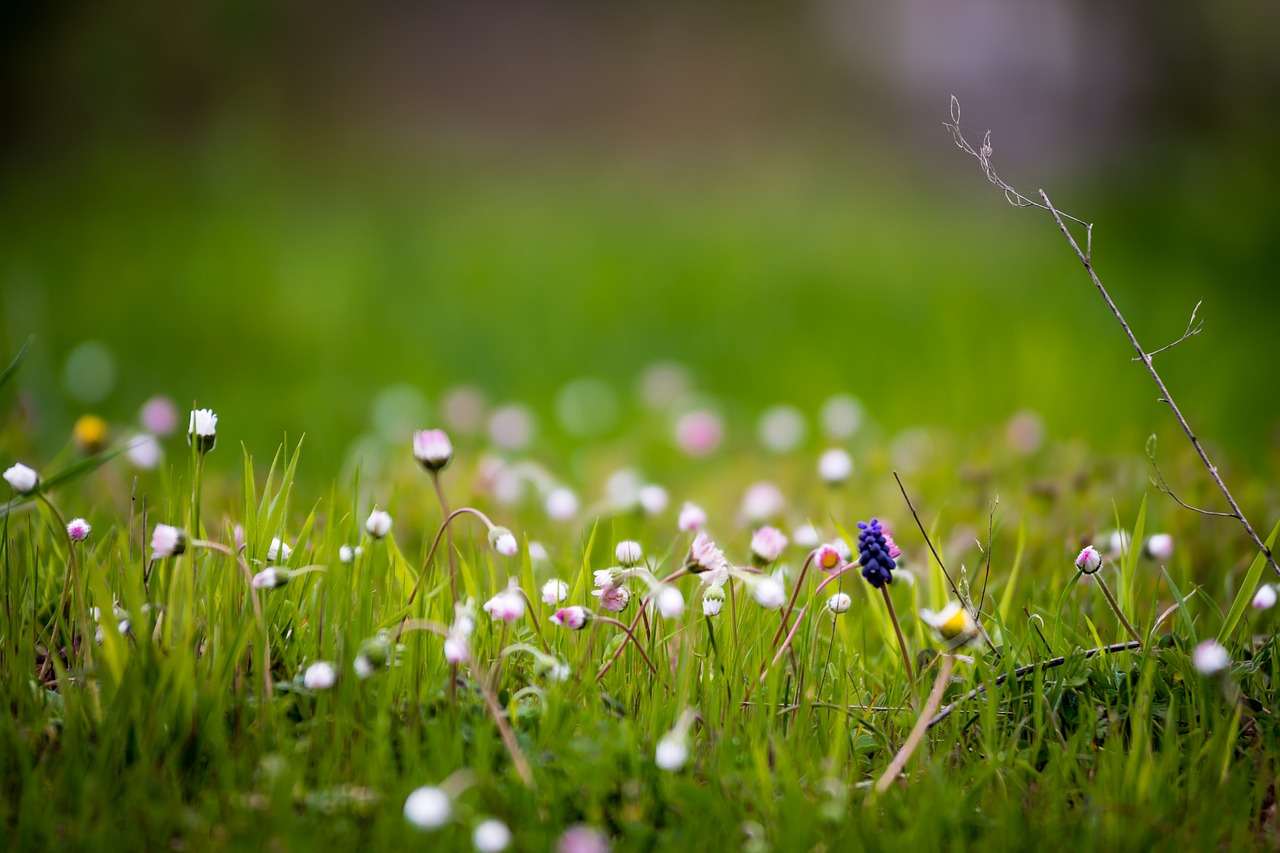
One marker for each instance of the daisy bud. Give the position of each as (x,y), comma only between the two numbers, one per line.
(378,524)
(806,536)
(202,431)
(953,623)
(613,598)
(629,553)
(279,550)
(574,618)
(835,466)
(503,541)
(372,656)
(491,836)
(698,433)
(672,752)
(455,650)
(78,530)
(432,448)
(1265,597)
(506,606)
(1158,547)
(554,591)
(769,593)
(582,839)
(712,601)
(428,808)
(24,480)
(144,452)
(538,553)
(167,541)
(1210,658)
(767,544)
(839,603)
(273,577)
(691,517)
(319,676)
(159,416)
(90,434)
(704,556)
(1089,560)
(561,504)
(653,499)
(762,502)
(827,558)
(670,602)
(347,554)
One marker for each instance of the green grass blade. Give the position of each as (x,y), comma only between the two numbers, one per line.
(1245,595)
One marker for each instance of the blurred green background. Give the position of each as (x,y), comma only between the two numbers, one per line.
(282,209)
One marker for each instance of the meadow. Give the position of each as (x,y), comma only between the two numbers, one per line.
(623,600)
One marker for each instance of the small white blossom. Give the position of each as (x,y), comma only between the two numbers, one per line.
(1158,547)
(428,808)
(270,578)
(491,836)
(432,448)
(691,517)
(278,550)
(202,430)
(768,543)
(762,502)
(319,676)
(554,591)
(672,752)
(78,529)
(835,466)
(1265,597)
(769,593)
(506,606)
(670,602)
(378,524)
(806,536)
(22,479)
(839,603)
(1089,560)
(144,452)
(629,553)
(561,504)
(712,601)
(503,541)
(167,541)
(1210,658)
(653,499)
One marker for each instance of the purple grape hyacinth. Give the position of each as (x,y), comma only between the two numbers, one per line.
(873,553)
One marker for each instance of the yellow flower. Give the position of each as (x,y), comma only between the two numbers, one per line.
(90,434)
(953,623)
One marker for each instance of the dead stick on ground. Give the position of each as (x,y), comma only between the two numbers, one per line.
(922,725)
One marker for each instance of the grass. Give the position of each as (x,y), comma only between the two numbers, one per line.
(167,736)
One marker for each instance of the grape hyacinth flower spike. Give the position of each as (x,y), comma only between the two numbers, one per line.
(874,555)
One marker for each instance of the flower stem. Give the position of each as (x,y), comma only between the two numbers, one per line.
(1106,591)
(640,646)
(795,593)
(453,558)
(634,622)
(902,643)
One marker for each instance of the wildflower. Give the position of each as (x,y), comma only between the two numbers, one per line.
(455,649)
(954,623)
(653,499)
(202,431)
(698,433)
(843,549)
(1210,658)
(614,598)
(561,504)
(463,409)
(491,836)
(159,416)
(827,558)
(1089,560)
(704,556)
(1265,597)
(378,524)
(767,544)
(582,839)
(629,553)
(1158,547)
(806,536)
(762,502)
(672,751)
(1117,542)
(347,554)
(538,553)
(319,676)
(873,554)
(769,593)
(839,603)
(270,578)
(78,530)
(554,591)
(432,448)
(168,541)
(24,480)
(691,517)
(90,434)
(503,541)
(372,656)
(841,416)
(279,550)
(835,466)
(712,601)
(574,618)
(511,426)
(428,808)
(144,451)
(670,602)
(781,429)
(506,606)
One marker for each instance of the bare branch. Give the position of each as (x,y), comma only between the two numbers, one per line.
(1193,328)
(984,159)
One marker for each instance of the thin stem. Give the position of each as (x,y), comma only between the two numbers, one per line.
(922,724)
(436,544)
(267,688)
(795,593)
(504,730)
(453,558)
(897,629)
(639,646)
(1106,591)
(636,621)
(72,578)
(529,608)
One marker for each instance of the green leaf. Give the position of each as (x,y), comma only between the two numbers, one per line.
(13,365)
(1245,595)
